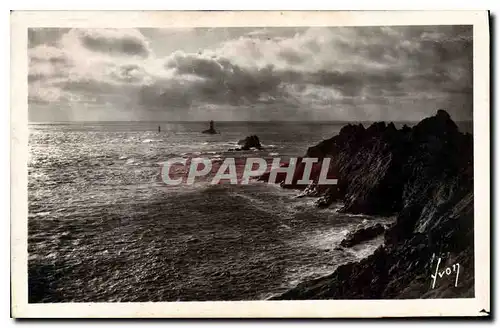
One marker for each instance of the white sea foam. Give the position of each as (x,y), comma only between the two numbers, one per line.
(366,248)
(39,214)
(328,239)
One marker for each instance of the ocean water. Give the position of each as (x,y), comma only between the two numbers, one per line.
(103,227)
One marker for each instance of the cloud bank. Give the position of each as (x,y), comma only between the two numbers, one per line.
(338,73)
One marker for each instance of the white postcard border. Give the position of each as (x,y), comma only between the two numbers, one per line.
(22,20)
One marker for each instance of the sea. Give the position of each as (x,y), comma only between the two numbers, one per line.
(104,227)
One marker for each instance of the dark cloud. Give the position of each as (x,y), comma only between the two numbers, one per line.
(158,96)
(88,86)
(54,60)
(47,54)
(291,57)
(351,82)
(46,62)
(217,80)
(45,36)
(44,76)
(114,44)
(109,41)
(388,63)
(212,68)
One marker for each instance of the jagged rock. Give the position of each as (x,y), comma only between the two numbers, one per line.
(250,142)
(425,175)
(209,131)
(361,235)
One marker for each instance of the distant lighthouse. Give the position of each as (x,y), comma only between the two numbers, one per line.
(211,130)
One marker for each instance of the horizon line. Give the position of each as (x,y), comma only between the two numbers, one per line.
(238,121)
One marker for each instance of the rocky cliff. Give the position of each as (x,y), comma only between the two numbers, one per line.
(424,174)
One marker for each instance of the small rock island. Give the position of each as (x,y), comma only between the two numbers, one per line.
(248,143)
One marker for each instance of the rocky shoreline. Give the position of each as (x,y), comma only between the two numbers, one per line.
(424,176)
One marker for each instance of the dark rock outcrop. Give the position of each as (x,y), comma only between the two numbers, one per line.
(425,175)
(249,143)
(361,235)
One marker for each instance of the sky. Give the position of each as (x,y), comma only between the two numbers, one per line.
(397,73)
